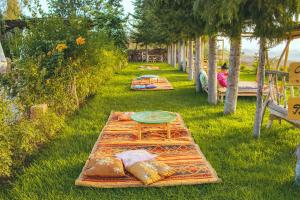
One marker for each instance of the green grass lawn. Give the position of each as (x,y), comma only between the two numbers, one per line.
(249,168)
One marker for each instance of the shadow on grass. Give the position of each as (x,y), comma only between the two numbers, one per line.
(250,169)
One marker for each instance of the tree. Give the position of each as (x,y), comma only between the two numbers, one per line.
(113,22)
(205,10)
(226,17)
(13,10)
(144,29)
(105,15)
(270,20)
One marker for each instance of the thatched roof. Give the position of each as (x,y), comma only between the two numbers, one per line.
(11,24)
(295,33)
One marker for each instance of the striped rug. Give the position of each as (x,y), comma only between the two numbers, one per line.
(161,84)
(180,152)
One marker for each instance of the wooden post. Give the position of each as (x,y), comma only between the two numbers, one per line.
(38,111)
(139,128)
(168,131)
(284,78)
(261,80)
(278,97)
(190,58)
(212,72)
(147,54)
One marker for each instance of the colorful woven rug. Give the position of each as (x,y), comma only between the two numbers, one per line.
(160,83)
(148,68)
(180,152)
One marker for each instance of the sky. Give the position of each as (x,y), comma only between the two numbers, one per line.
(248,46)
(128,6)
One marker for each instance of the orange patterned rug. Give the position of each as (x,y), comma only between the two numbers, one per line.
(160,83)
(180,152)
(146,67)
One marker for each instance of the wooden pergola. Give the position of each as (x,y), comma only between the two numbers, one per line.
(277,98)
(9,25)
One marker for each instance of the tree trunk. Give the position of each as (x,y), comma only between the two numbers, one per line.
(197,63)
(212,71)
(183,56)
(147,54)
(174,55)
(179,55)
(190,60)
(261,80)
(169,55)
(233,76)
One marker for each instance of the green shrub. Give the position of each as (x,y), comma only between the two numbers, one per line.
(57,61)
(5,144)
(243,67)
(21,138)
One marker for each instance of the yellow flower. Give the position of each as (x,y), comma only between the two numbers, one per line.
(80,41)
(61,47)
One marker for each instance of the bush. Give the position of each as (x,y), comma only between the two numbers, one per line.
(243,67)
(56,61)
(21,137)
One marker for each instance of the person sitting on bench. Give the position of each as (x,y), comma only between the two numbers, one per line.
(222,76)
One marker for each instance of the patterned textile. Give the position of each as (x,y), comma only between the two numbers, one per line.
(133,156)
(180,152)
(160,83)
(203,80)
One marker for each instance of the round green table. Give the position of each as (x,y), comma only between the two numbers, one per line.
(153,118)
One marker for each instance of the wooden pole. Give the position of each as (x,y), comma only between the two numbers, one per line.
(282,54)
(261,80)
(147,54)
(285,69)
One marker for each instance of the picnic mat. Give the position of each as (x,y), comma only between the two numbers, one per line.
(180,152)
(161,84)
(148,68)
